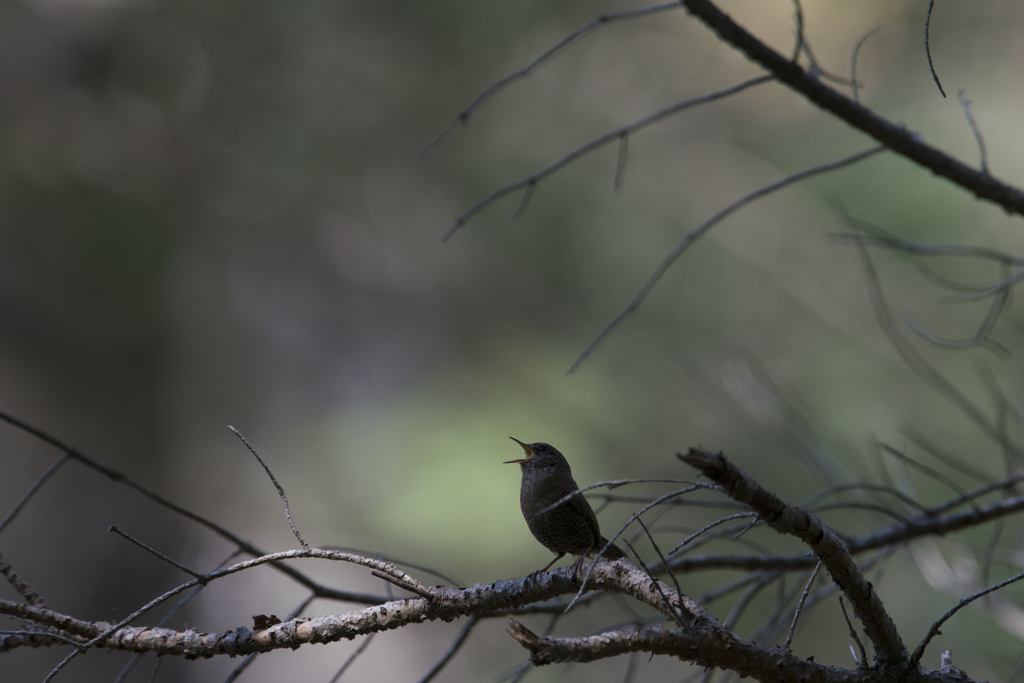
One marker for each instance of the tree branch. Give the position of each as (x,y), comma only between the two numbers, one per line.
(879,627)
(442,604)
(320,590)
(926,524)
(895,137)
(529,182)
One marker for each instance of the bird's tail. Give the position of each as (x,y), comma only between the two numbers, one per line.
(613,553)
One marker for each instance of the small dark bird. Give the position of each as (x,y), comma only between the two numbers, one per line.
(568,528)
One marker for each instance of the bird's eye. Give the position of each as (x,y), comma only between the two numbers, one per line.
(540,449)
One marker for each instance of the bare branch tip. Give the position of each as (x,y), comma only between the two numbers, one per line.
(451,229)
(927,47)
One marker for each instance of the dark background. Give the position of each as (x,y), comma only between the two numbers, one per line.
(213,213)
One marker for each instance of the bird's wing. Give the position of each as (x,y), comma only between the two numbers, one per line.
(579,503)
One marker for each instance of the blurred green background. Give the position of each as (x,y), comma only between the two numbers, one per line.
(214,213)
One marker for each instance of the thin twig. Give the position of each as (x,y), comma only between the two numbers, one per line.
(966,104)
(658,514)
(156,553)
(981,337)
(921,441)
(47,473)
(742,582)
(616,483)
(934,630)
(913,358)
(853,634)
(802,46)
(453,580)
(166,618)
(630,668)
(1004,407)
(677,613)
(798,12)
(594,144)
(351,658)
(800,605)
(320,590)
(879,488)
(452,649)
(937,476)
(280,491)
(686,541)
(389,588)
(698,503)
(602,20)
(853,505)
(524,202)
(927,47)
(747,528)
(816,69)
(872,233)
(968,293)
(64,662)
(517,674)
(611,542)
(992,289)
(731,534)
(620,165)
(664,563)
(156,669)
(741,605)
(927,524)
(771,625)
(854,85)
(701,230)
(824,592)
(401,583)
(990,549)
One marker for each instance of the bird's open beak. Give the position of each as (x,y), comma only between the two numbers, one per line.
(529,452)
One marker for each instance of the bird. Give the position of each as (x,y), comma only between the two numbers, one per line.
(570,527)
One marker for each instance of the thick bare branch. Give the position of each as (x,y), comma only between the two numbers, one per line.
(443,603)
(889,648)
(710,647)
(895,137)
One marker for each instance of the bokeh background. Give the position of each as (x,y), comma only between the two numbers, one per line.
(214,213)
